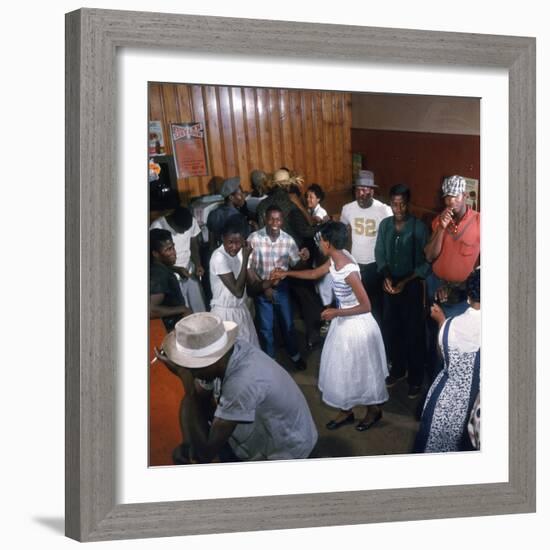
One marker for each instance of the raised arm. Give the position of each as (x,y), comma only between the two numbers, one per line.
(433,249)
(237,286)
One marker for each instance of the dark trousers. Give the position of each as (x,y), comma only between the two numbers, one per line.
(372,281)
(281,309)
(309,304)
(405,330)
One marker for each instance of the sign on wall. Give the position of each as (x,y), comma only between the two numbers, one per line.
(189,149)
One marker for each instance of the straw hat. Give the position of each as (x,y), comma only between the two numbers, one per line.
(281,177)
(199,340)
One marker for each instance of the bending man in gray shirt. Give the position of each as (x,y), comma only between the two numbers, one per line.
(261,412)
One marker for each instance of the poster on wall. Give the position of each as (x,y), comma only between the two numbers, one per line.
(156,138)
(472,193)
(189,149)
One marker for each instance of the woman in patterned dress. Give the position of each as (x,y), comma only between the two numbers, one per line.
(444,422)
(353,361)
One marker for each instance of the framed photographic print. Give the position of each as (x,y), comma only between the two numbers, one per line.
(104,51)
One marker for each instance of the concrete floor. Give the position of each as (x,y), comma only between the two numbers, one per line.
(394,434)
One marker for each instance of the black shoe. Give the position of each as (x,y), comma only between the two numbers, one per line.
(299,364)
(391,380)
(333,424)
(414,392)
(363,426)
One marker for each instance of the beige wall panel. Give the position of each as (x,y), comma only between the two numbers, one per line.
(416,113)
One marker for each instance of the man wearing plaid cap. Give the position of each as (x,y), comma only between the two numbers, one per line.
(453,248)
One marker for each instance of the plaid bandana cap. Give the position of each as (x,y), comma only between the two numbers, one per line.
(454,186)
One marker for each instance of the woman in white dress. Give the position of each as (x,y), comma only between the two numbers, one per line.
(353,362)
(228,271)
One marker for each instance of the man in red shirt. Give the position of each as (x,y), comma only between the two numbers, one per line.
(453,248)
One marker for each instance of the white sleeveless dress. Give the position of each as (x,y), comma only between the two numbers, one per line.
(353,362)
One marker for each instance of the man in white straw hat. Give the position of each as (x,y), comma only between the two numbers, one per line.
(261,412)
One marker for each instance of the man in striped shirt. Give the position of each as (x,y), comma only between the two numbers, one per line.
(273,248)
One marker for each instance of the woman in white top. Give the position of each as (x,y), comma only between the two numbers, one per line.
(314,196)
(451,398)
(228,271)
(353,362)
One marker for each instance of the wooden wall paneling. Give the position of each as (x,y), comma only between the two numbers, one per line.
(318,138)
(155,106)
(347,149)
(199,185)
(265,161)
(184,103)
(225,110)
(214,134)
(296,127)
(239,132)
(170,107)
(337,132)
(307,132)
(275,116)
(328,138)
(287,147)
(248,128)
(251,125)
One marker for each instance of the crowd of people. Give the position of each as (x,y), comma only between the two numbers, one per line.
(385,298)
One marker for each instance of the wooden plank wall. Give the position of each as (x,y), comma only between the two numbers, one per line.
(259,128)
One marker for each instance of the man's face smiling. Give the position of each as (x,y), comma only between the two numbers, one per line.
(364,196)
(166,254)
(273,223)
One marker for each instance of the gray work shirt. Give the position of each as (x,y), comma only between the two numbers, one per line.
(274,418)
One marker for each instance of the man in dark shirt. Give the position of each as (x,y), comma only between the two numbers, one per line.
(399,253)
(165,298)
(234,204)
(295,222)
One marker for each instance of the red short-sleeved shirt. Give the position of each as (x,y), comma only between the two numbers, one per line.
(460,250)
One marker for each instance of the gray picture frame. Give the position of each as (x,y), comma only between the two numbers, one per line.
(92,39)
